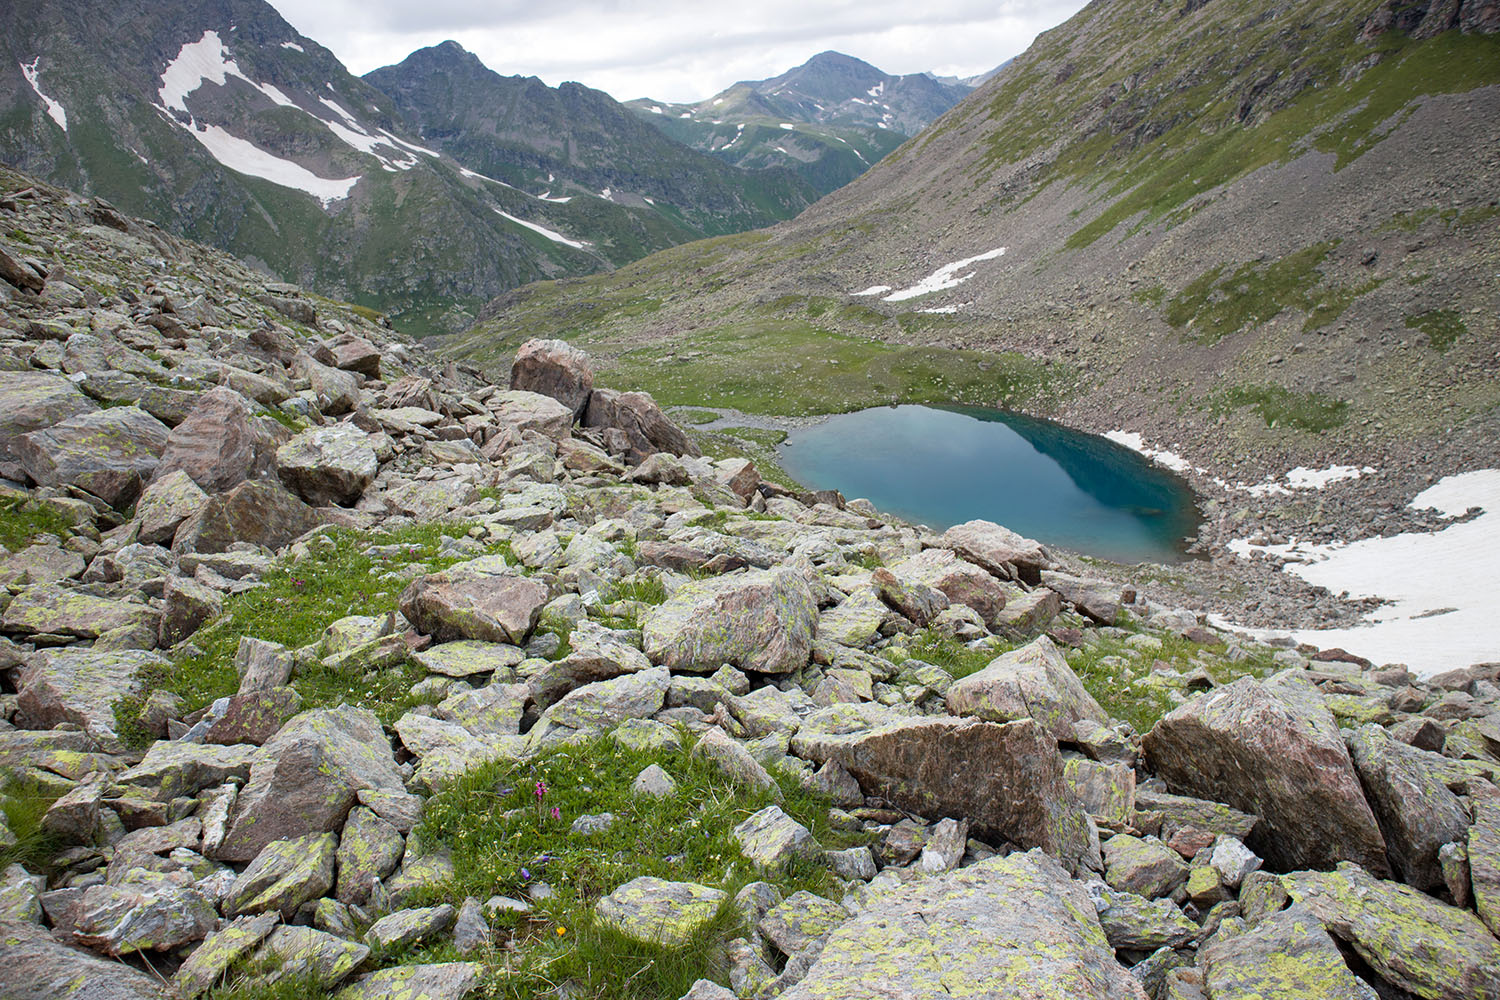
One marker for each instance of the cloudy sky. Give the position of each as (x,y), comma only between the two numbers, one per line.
(679,50)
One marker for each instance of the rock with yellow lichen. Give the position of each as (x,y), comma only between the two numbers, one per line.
(1008,927)
(656,911)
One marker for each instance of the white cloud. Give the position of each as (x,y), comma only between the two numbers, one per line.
(671,49)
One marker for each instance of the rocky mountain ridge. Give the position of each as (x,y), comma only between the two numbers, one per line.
(223,123)
(331,669)
(828,119)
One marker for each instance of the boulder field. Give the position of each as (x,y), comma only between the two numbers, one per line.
(1045,785)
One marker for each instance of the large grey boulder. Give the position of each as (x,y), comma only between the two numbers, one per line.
(1273,749)
(1416,811)
(598,654)
(1015,926)
(369,850)
(1006,779)
(1033,682)
(1410,939)
(760,620)
(554,368)
(479,599)
(605,704)
(284,875)
(304,951)
(220,443)
(531,411)
(999,550)
(80,687)
(143,911)
(770,838)
(1288,954)
(108,453)
(962,582)
(53,970)
(1484,861)
(306,778)
(172,769)
(35,401)
(166,502)
(328,466)
(636,416)
(430,981)
(1099,599)
(55,609)
(257,512)
(220,950)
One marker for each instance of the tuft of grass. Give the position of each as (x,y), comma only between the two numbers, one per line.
(24,521)
(694,415)
(498,821)
(1281,407)
(299,600)
(1442,326)
(23,803)
(932,646)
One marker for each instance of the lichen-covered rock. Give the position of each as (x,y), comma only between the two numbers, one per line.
(605,704)
(598,654)
(1484,861)
(1107,791)
(999,550)
(1410,939)
(854,621)
(21,895)
(303,951)
(1099,599)
(494,710)
(447,750)
(655,911)
(1015,926)
(960,581)
(554,368)
(328,465)
(405,927)
(165,503)
(645,429)
(108,453)
(284,875)
(770,838)
(1416,811)
(1182,811)
(434,981)
(761,620)
(143,911)
(531,411)
(1273,749)
(799,924)
(220,950)
(54,970)
(1144,866)
(1033,682)
(35,401)
(306,778)
(221,443)
(172,769)
(467,657)
(1132,921)
(1288,954)
(480,599)
(58,609)
(81,687)
(256,512)
(186,606)
(735,761)
(1006,779)
(369,850)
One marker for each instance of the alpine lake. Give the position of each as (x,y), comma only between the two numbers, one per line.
(941,466)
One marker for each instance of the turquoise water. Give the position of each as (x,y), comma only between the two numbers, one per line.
(940,467)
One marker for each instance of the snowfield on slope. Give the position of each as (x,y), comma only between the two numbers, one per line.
(552,235)
(945,277)
(1441,586)
(55,110)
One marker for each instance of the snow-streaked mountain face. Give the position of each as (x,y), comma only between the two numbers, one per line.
(219,120)
(842,114)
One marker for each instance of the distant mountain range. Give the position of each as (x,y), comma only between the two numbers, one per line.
(423,189)
(829,119)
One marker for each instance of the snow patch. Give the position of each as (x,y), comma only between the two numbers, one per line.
(655,110)
(1136,443)
(547,196)
(686,114)
(55,110)
(552,235)
(877,90)
(1303,478)
(293,46)
(788,126)
(605,194)
(947,276)
(1439,585)
(248,158)
(873,290)
(944,310)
